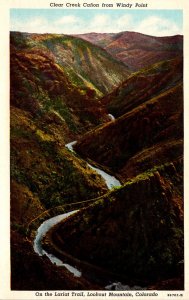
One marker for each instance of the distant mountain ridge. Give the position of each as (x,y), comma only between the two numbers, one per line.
(79,59)
(135,49)
(63,88)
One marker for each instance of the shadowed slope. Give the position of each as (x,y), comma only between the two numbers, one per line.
(148,133)
(135,231)
(143,85)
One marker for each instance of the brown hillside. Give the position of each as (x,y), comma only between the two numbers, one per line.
(135,231)
(137,50)
(144,85)
(154,125)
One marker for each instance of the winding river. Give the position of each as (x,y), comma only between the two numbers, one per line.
(111,182)
(41,232)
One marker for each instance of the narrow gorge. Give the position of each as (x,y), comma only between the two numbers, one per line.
(96,161)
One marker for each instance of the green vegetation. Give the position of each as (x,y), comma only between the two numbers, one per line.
(143,84)
(19,228)
(79,59)
(56,81)
(51,174)
(64,111)
(153,243)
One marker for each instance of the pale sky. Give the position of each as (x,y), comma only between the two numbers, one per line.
(74,21)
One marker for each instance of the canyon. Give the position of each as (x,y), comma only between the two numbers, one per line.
(83,109)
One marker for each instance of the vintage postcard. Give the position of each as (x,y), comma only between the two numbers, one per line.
(93,156)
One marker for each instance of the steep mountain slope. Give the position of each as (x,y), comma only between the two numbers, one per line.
(46,112)
(135,231)
(144,85)
(39,85)
(55,84)
(30,272)
(149,132)
(137,50)
(85,65)
(43,172)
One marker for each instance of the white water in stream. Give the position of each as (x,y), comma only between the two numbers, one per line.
(118,286)
(70,145)
(41,232)
(112,118)
(110,180)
